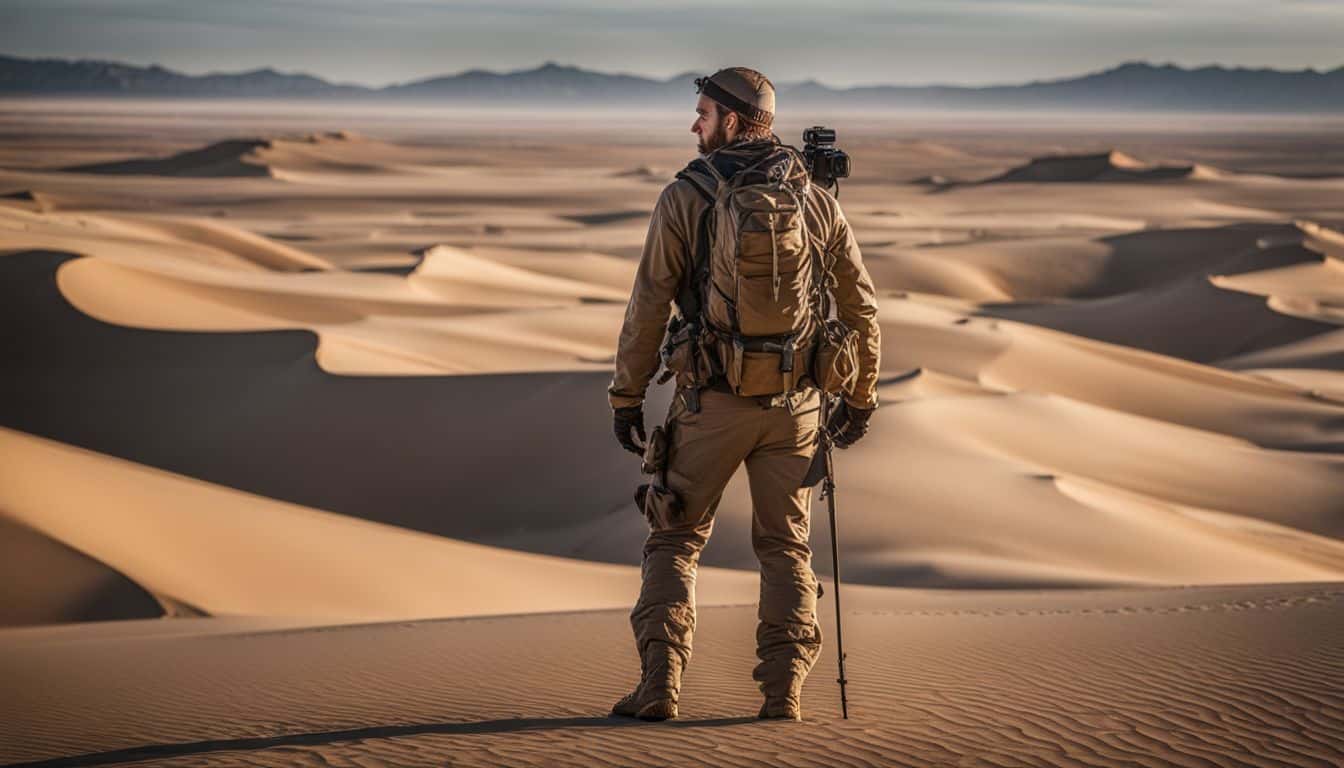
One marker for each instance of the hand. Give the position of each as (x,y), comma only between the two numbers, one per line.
(848,424)
(628,420)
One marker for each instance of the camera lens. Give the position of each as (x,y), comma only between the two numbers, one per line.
(840,165)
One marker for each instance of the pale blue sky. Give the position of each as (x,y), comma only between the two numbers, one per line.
(839,42)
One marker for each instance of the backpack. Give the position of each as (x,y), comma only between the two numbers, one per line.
(754,307)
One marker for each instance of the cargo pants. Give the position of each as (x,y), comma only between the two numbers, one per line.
(705,449)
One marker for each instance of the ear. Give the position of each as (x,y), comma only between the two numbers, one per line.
(731,125)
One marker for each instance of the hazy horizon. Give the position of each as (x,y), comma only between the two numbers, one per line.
(854,42)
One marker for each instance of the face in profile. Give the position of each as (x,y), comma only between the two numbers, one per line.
(709,126)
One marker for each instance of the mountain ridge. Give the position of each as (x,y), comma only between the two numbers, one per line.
(1131,85)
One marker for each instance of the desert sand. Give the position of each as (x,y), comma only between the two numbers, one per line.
(308,458)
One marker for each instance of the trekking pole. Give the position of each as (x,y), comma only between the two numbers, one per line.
(828,492)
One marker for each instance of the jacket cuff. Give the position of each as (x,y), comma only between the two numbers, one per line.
(623,401)
(866,405)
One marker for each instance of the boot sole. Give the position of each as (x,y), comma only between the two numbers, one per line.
(657,712)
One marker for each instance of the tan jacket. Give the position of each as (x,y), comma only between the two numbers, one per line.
(668,250)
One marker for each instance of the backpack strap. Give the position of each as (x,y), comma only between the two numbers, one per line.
(690,299)
(707,182)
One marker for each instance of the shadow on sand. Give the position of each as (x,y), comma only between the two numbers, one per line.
(514,725)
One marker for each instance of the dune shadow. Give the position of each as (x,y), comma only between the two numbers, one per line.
(252,410)
(510,725)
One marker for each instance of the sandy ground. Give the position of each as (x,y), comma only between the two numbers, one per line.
(1165,677)
(294,370)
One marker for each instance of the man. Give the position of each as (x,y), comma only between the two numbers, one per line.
(712,428)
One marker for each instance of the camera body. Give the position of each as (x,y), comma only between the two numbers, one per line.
(824,160)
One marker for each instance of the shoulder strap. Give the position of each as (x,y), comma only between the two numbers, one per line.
(702,178)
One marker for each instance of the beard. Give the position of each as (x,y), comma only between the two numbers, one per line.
(715,140)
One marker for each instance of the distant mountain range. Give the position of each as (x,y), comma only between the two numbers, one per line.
(1131,86)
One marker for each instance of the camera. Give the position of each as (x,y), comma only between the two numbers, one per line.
(826,163)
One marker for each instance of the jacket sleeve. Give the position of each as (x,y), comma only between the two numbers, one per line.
(856,306)
(665,256)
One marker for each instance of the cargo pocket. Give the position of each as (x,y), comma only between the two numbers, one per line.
(655,452)
(761,375)
(661,506)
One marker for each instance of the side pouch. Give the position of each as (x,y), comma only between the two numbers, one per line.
(731,355)
(835,367)
(682,357)
(660,504)
(655,452)
(761,375)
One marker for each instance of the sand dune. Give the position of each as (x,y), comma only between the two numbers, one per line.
(176,243)
(1301,287)
(252,157)
(1323,351)
(227,552)
(579,507)
(47,581)
(1313,290)
(1006,356)
(1181,677)
(461,278)
(369,324)
(196,274)
(323,377)
(236,157)
(1072,266)
(1107,166)
(254,411)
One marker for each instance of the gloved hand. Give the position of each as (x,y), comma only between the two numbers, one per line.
(628,420)
(848,424)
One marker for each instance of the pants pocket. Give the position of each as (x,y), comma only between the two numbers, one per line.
(661,506)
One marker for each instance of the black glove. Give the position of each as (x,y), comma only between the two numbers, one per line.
(627,420)
(848,424)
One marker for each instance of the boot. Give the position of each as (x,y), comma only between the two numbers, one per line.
(655,698)
(782,687)
(780,709)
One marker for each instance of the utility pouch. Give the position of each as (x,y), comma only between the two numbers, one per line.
(835,366)
(682,356)
(660,505)
(655,452)
(757,368)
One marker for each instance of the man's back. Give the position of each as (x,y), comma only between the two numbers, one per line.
(669,253)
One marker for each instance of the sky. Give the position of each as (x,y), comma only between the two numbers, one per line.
(837,42)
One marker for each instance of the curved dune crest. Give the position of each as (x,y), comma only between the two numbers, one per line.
(458,276)
(967,366)
(365,324)
(1012,356)
(44,581)
(1106,166)
(231,552)
(1080,267)
(1323,351)
(329,151)
(1312,290)
(165,242)
(1214,323)
(234,157)
(32,199)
